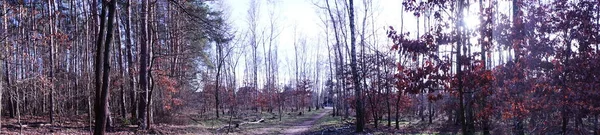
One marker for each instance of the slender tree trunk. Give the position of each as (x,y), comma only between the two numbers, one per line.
(317,106)
(517,25)
(120,60)
(484,45)
(151,40)
(596,130)
(340,65)
(86,67)
(331,91)
(130,64)
(18,111)
(400,59)
(220,63)
(398,110)
(461,116)
(11,102)
(355,77)
(52,53)
(5,13)
(143,80)
(76,61)
(149,109)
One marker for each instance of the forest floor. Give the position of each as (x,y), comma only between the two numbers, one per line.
(298,125)
(299,128)
(185,123)
(330,125)
(316,122)
(33,125)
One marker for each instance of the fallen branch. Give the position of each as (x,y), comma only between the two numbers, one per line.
(258,121)
(195,120)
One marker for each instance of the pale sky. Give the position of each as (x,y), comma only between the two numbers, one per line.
(302,18)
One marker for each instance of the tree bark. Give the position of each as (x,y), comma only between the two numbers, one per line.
(51,29)
(98,67)
(151,37)
(5,13)
(340,66)
(131,67)
(461,116)
(484,45)
(120,60)
(102,110)
(355,77)
(217,77)
(143,77)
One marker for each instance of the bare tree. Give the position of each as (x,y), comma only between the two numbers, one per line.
(143,73)
(130,64)
(355,77)
(52,55)
(104,52)
(5,14)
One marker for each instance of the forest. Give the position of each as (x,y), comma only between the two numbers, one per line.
(300,67)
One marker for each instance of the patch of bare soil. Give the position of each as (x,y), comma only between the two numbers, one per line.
(292,124)
(304,126)
(299,125)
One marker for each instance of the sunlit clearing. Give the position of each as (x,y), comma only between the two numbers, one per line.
(471,21)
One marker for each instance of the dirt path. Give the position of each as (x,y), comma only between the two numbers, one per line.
(300,128)
(295,127)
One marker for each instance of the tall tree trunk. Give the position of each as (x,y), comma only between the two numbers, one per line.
(102,110)
(219,64)
(400,59)
(330,81)
(120,60)
(5,13)
(340,65)
(149,109)
(130,64)
(151,37)
(11,102)
(517,40)
(355,77)
(484,45)
(143,80)
(52,53)
(99,125)
(459,72)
